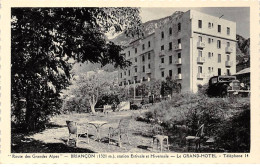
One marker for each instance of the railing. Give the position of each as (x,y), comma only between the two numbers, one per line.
(229,49)
(201,75)
(178,62)
(162,66)
(178,76)
(161,53)
(177,47)
(201,59)
(229,63)
(201,45)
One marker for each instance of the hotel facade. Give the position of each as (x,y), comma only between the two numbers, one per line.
(190,48)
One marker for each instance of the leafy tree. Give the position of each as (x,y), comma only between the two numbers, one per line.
(44,41)
(169,86)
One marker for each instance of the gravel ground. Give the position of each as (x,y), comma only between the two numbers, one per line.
(53,138)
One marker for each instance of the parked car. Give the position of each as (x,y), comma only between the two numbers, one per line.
(222,86)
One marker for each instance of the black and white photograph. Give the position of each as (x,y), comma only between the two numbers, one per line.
(130,80)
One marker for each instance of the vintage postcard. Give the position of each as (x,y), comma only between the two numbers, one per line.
(130,81)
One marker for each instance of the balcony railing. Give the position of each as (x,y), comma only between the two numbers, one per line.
(148,70)
(161,53)
(229,49)
(229,63)
(177,47)
(201,45)
(178,76)
(201,75)
(162,66)
(178,62)
(201,59)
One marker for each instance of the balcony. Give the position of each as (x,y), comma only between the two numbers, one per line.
(201,45)
(229,49)
(135,74)
(177,47)
(178,76)
(178,62)
(161,65)
(201,59)
(201,75)
(148,71)
(229,63)
(161,53)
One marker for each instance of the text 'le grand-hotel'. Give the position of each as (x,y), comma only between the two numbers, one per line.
(190,48)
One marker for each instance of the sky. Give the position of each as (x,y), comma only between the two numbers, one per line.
(240,15)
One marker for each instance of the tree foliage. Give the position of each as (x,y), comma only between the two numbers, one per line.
(43,43)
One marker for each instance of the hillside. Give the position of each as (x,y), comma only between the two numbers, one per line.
(149,28)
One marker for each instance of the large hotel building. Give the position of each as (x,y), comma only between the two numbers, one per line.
(190,48)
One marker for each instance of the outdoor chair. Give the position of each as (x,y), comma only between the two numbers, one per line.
(76,131)
(122,129)
(195,139)
(159,137)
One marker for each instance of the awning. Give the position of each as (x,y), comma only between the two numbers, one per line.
(244,71)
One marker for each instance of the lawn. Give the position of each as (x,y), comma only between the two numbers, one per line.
(53,138)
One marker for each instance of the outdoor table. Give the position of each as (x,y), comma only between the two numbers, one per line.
(98,125)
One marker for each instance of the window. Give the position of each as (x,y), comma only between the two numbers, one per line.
(228,72)
(162,47)
(149,56)
(149,66)
(135,69)
(129,72)
(219,58)
(228,44)
(209,25)
(212,54)
(143,68)
(179,41)
(200,23)
(136,59)
(143,58)
(149,44)
(143,47)
(212,40)
(135,78)
(170,31)
(162,34)
(179,26)
(170,59)
(209,55)
(212,25)
(200,53)
(218,44)
(129,53)
(200,38)
(179,70)
(179,55)
(162,60)
(135,50)
(219,28)
(200,69)
(170,73)
(228,57)
(170,46)
(209,40)
(121,75)
(209,70)
(219,71)
(228,31)
(125,72)
(162,73)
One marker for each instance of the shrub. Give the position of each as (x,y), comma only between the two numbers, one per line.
(220,116)
(234,134)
